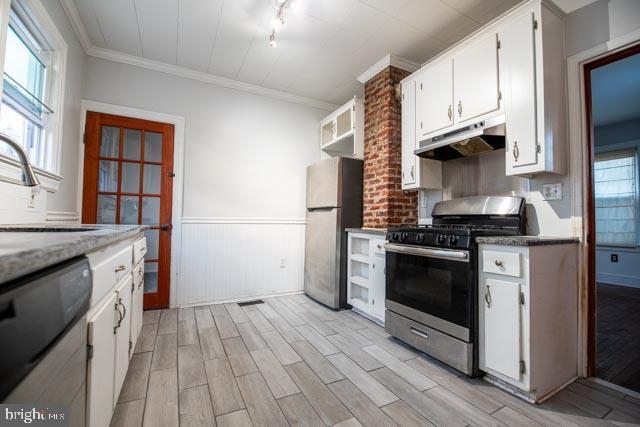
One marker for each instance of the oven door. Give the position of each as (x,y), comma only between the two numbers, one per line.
(431,286)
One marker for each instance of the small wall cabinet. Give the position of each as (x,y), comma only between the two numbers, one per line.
(114,320)
(366,274)
(342,132)
(528,314)
(416,172)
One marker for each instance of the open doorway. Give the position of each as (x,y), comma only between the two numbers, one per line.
(612,88)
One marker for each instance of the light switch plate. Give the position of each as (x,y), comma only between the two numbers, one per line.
(552,191)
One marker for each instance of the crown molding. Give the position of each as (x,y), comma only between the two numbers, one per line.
(390,60)
(112,55)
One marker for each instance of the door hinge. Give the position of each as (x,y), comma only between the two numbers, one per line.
(522,298)
(84,138)
(535,24)
(89,351)
(538,148)
(420,125)
(499,44)
(171,174)
(499,95)
(133,287)
(130,345)
(522,367)
(420,86)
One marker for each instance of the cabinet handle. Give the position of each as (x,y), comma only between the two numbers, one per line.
(412,171)
(487,296)
(460,108)
(419,333)
(116,306)
(516,151)
(124,309)
(140,273)
(120,268)
(498,263)
(379,246)
(450,112)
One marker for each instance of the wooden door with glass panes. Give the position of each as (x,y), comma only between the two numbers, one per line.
(128,171)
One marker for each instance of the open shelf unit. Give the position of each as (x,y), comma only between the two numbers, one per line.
(365,274)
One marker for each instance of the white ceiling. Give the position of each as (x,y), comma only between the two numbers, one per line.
(322,47)
(615,91)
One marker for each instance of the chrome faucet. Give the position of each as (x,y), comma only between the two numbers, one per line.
(29,177)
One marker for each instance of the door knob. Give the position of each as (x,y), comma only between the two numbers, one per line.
(165,227)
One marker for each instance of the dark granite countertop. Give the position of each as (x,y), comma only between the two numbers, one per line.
(25,249)
(376,231)
(527,240)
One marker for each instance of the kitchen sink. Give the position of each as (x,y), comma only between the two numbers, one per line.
(18,229)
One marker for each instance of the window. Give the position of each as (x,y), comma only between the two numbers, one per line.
(616,187)
(31,94)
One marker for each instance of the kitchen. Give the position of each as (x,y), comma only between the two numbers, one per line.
(257,171)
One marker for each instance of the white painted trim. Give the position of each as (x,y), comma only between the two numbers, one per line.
(578,168)
(241,299)
(111,55)
(178,169)
(53,216)
(390,60)
(618,279)
(11,171)
(217,220)
(616,387)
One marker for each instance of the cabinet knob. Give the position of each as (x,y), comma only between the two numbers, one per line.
(498,263)
(412,172)
(460,108)
(487,296)
(450,112)
(516,151)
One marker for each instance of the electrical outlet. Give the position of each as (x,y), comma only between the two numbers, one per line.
(283,263)
(614,257)
(31,203)
(552,191)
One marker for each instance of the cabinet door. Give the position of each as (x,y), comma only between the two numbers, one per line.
(136,304)
(377,284)
(434,99)
(502,326)
(475,79)
(408,126)
(519,73)
(100,367)
(123,330)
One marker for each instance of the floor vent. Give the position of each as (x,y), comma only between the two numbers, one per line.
(253,302)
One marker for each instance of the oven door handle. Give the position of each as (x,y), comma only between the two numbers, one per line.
(462,256)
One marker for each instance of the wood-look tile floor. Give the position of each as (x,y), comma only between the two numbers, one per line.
(291,361)
(618,316)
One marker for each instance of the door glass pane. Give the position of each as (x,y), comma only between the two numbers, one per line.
(152,147)
(131,148)
(130,177)
(151,277)
(109,139)
(128,209)
(108,176)
(152,243)
(106,209)
(151,210)
(151,179)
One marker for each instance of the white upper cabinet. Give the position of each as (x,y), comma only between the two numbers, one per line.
(533,74)
(434,99)
(475,79)
(342,132)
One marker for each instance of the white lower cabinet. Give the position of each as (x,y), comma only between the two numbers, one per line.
(114,322)
(528,317)
(366,274)
(100,368)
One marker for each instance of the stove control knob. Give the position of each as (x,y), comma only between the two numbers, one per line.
(403,236)
(420,238)
(453,240)
(440,238)
(395,236)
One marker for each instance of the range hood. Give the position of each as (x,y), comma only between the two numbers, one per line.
(485,135)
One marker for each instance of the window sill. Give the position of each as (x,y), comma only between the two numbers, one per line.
(11,171)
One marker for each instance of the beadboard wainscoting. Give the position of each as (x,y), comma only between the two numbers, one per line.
(230,259)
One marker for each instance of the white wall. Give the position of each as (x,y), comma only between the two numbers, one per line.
(244,179)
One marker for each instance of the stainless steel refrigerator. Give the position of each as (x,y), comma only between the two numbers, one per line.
(334,202)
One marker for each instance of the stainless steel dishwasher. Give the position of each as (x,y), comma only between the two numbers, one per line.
(43,330)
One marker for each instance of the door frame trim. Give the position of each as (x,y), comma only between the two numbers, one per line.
(579,170)
(178,168)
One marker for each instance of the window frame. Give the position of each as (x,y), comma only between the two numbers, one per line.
(633,144)
(34,18)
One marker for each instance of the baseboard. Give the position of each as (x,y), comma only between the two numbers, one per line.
(615,387)
(239,299)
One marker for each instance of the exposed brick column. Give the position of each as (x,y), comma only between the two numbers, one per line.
(385,204)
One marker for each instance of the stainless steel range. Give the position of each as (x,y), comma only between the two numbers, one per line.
(432,272)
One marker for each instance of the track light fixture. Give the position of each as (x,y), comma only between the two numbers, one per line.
(278,21)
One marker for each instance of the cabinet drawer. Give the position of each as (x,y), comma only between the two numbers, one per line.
(139,250)
(109,272)
(498,262)
(138,273)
